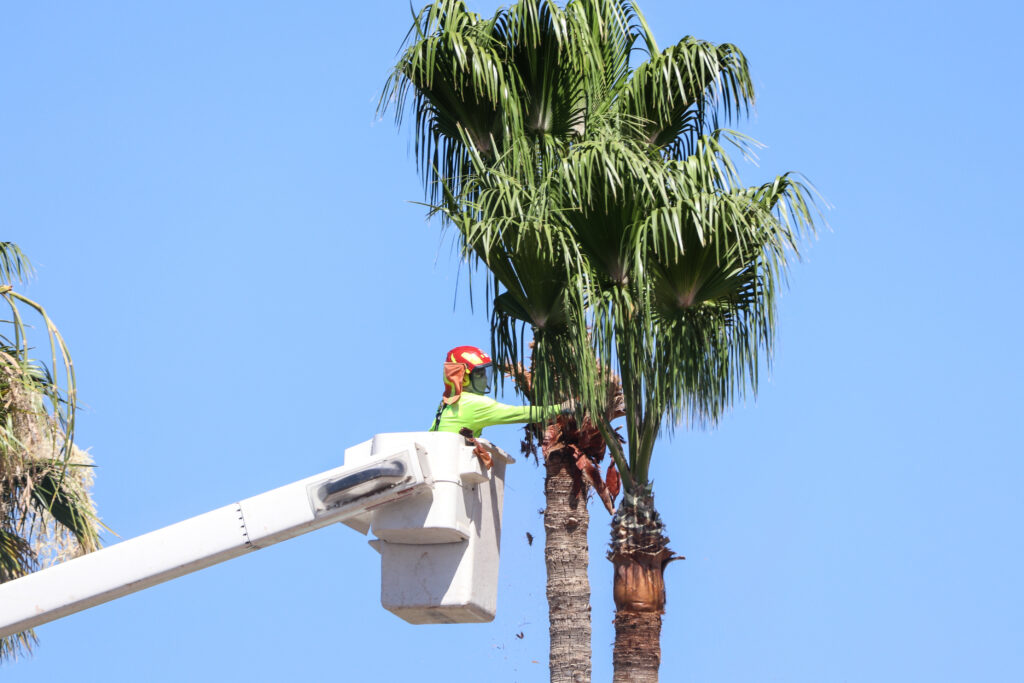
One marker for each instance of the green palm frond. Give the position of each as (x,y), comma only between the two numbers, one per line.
(61,400)
(64,498)
(453,72)
(14,264)
(680,92)
(547,73)
(16,556)
(606,33)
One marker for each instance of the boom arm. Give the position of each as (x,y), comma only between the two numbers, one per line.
(213,537)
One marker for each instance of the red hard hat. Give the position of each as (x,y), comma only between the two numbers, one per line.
(470,356)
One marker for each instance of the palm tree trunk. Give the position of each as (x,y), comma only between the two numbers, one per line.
(637,652)
(639,553)
(566,521)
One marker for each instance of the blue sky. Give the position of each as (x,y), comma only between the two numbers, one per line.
(227,237)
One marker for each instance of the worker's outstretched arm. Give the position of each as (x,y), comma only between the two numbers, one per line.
(476,412)
(490,412)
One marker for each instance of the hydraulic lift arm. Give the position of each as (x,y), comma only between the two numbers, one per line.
(213,537)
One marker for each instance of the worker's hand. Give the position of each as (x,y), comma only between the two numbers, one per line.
(568,406)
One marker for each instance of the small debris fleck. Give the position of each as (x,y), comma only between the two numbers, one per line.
(529,538)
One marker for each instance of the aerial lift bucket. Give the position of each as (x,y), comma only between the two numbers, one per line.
(439,549)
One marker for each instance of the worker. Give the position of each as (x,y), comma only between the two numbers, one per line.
(468,376)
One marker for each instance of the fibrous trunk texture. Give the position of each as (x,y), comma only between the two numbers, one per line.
(566,553)
(639,553)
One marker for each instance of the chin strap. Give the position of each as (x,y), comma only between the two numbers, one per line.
(437,418)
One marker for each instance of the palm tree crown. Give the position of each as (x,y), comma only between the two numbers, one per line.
(46,513)
(603,203)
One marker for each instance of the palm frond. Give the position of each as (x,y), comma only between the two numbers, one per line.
(546,70)
(16,556)
(606,31)
(453,72)
(62,400)
(14,264)
(681,91)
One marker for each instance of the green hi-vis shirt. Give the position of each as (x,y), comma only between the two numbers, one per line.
(476,412)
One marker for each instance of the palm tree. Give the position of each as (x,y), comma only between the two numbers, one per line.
(508,92)
(46,514)
(626,242)
(676,267)
(684,310)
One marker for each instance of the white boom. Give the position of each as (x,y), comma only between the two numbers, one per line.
(340,494)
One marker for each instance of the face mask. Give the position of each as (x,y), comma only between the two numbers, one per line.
(481,379)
